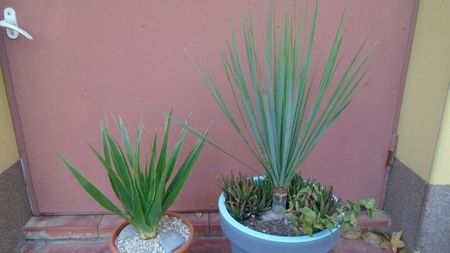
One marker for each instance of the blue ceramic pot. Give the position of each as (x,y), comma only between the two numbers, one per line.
(246,240)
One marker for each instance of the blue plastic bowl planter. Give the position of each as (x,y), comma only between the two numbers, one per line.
(246,240)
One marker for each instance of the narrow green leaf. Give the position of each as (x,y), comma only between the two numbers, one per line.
(180,178)
(92,190)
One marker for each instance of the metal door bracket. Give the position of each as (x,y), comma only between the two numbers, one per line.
(10,23)
(391,151)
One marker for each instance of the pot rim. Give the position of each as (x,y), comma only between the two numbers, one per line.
(184,248)
(275,238)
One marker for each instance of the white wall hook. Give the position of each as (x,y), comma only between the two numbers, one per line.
(10,23)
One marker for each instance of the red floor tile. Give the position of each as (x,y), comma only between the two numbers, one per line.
(62,227)
(357,246)
(32,247)
(89,234)
(382,221)
(78,247)
(107,224)
(200,221)
(214,224)
(211,246)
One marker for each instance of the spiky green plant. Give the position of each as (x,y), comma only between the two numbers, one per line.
(245,196)
(314,209)
(282,109)
(147,190)
(312,206)
(297,184)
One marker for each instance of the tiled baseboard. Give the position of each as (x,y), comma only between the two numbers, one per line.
(418,208)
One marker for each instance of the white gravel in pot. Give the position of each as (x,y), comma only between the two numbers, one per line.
(172,234)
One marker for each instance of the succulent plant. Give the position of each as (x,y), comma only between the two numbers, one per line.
(246,196)
(312,207)
(318,198)
(264,195)
(297,183)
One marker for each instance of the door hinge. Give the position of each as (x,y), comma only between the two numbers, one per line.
(391,151)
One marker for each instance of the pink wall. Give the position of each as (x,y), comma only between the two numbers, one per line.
(91,59)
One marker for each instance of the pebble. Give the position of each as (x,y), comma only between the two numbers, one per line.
(127,232)
(170,228)
(171,240)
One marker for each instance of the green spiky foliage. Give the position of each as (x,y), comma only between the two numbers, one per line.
(145,191)
(313,195)
(297,184)
(282,108)
(313,207)
(245,196)
(264,195)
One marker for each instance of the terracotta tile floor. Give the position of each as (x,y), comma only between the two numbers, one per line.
(214,245)
(89,234)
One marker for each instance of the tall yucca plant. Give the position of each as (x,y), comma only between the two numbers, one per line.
(283,110)
(147,190)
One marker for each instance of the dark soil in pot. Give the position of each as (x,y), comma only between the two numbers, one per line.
(271,227)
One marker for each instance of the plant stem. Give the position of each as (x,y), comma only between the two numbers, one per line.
(279,199)
(148,235)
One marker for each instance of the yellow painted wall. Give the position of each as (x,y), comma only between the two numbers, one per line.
(8,146)
(425,93)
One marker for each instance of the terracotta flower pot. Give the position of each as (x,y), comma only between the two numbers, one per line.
(184,248)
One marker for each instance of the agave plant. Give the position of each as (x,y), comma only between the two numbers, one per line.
(282,108)
(145,191)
